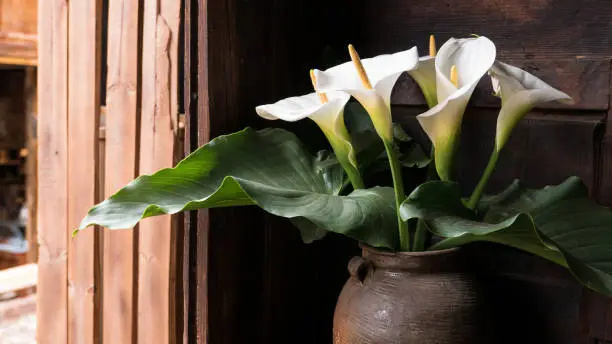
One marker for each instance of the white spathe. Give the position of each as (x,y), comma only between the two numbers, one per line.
(425,76)
(383,72)
(328,116)
(472,57)
(520,92)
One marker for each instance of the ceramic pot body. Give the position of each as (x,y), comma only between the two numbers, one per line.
(410,298)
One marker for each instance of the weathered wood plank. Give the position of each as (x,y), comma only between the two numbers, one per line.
(122,133)
(158,149)
(586,80)
(83,120)
(18,40)
(18,18)
(53,226)
(598,309)
(196,133)
(31,113)
(232,38)
(550,29)
(190,70)
(17,278)
(564,142)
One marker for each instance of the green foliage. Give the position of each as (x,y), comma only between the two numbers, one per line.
(559,223)
(268,168)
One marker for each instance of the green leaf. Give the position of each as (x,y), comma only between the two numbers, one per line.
(559,223)
(268,168)
(370,150)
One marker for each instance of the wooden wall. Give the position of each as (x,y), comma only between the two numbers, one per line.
(18,23)
(249,271)
(247,276)
(106,286)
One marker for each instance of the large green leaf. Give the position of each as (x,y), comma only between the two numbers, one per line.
(268,168)
(559,223)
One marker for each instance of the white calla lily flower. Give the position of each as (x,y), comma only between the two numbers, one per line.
(425,76)
(381,73)
(520,92)
(328,115)
(471,58)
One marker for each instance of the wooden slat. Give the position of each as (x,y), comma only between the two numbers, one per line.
(195,268)
(549,29)
(159,128)
(122,102)
(586,80)
(52,326)
(83,119)
(18,32)
(564,141)
(17,278)
(18,18)
(31,112)
(599,308)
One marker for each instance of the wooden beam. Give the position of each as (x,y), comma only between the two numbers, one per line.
(84,52)
(158,148)
(18,278)
(123,108)
(31,112)
(52,173)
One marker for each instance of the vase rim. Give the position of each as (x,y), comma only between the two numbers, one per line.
(384,252)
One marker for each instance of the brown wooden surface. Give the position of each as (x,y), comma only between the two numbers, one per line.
(250,55)
(52,174)
(31,113)
(158,149)
(122,133)
(18,24)
(195,247)
(249,271)
(83,166)
(556,40)
(18,278)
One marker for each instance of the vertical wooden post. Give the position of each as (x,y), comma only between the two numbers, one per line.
(83,123)
(196,133)
(158,149)
(31,112)
(123,106)
(52,327)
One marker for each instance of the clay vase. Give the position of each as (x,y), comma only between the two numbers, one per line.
(410,298)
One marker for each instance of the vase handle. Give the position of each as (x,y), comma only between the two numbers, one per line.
(359,267)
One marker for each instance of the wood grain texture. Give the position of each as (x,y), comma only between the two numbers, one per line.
(549,29)
(564,141)
(31,113)
(18,18)
(251,271)
(158,149)
(194,294)
(52,311)
(598,308)
(17,278)
(121,143)
(586,80)
(18,28)
(283,278)
(83,169)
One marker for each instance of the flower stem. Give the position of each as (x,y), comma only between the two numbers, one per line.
(398,186)
(353,174)
(421,233)
(342,150)
(420,236)
(477,193)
